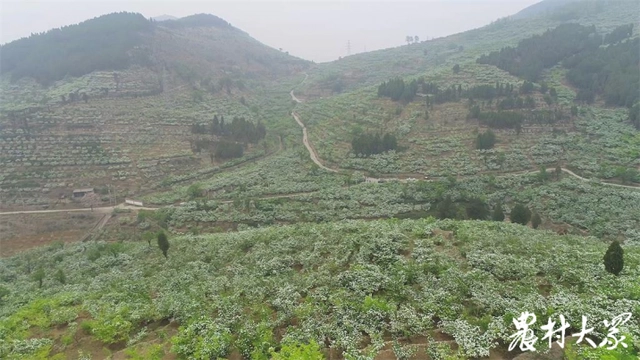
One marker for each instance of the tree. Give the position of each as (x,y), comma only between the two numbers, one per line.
(536,220)
(485,140)
(574,110)
(526,88)
(148,236)
(163,243)
(634,115)
(498,213)
(194,191)
(416,38)
(544,88)
(629,175)
(447,209)
(39,276)
(477,209)
(60,276)
(409,39)
(85,97)
(520,214)
(543,176)
(614,258)
(456,68)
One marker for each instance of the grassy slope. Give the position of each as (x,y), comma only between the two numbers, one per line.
(374,67)
(444,143)
(355,286)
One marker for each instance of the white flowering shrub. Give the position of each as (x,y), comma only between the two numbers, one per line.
(202,339)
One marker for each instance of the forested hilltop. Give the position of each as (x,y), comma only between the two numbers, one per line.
(103,43)
(112,42)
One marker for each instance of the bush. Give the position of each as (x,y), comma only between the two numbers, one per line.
(163,243)
(485,140)
(477,210)
(498,213)
(297,351)
(614,258)
(536,220)
(194,191)
(520,215)
(203,340)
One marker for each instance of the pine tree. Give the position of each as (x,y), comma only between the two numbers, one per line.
(163,243)
(520,215)
(498,213)
(614,258)
(536,220)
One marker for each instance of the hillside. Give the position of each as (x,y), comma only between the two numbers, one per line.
(350,289)
(371,68)
(201,43)
(408,203)
(111,103)
(545,7)
(538,98)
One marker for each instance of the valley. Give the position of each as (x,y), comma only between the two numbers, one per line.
(185,192)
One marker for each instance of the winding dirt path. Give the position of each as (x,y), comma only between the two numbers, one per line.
(316,159)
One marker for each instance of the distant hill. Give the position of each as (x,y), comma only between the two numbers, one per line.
(164,17)
(201,44)
(542,7)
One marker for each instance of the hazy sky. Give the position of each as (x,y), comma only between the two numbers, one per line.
(313,30)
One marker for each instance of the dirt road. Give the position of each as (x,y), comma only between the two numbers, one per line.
(316,159)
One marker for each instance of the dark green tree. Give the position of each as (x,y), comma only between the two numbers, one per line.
(544,88)
(574,110)
(194,191)
(447,209)
(520,214)
(477,209)
(634,115)
(614,258)
(485,140)
(163,243)
(543,175)
(535,220)
(498,213)
(526,88)
(456,68)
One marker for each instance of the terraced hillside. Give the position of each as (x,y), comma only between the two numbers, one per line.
(126,125)
(459,95)
(409,203)
(374,290)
